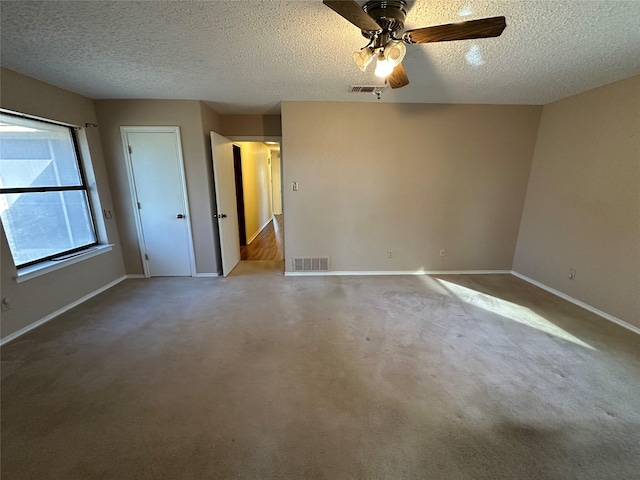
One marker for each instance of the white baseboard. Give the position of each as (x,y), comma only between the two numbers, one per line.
(60,311)
(139,275)
(566,297)
(259,231)
(394,272)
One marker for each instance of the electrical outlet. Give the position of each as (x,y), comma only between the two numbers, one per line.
(5,305)
(389,253)
(572,274)
(442,252)
(295,186)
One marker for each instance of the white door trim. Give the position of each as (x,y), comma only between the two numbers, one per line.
(124,130)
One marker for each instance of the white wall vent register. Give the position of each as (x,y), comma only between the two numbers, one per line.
(311,264)
(375,89)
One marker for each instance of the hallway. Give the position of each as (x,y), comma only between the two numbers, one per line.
(268,245)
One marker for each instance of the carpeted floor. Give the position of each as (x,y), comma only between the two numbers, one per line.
(261,376)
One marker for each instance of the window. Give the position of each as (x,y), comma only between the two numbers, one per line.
(44,203)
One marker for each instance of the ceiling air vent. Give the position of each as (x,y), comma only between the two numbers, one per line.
(375,89)
(311,264)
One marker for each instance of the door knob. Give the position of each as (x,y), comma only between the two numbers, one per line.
(179,215)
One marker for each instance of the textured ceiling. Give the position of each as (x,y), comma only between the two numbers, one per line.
(248,56)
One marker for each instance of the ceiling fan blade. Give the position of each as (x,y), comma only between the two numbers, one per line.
(353,12)
(398,77)
(483,28)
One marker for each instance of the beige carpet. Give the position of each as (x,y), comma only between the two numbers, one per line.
(260,376)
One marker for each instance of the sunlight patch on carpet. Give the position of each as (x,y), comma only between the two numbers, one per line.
(511,311)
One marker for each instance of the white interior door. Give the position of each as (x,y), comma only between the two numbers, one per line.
(159,196)
(225,186)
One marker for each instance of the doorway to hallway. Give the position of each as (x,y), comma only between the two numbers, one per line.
(259,235)
(258,191)
(268,245)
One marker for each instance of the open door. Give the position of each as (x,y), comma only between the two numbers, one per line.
(227,214)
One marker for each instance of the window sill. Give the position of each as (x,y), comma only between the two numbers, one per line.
(27,273)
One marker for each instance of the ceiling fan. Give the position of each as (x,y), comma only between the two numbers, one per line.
(382,22)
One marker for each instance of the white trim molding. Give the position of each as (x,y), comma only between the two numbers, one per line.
(587,307)
(200,275)
(60,311)
(27,273)
(395,272)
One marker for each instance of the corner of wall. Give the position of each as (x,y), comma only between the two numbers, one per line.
(582,200)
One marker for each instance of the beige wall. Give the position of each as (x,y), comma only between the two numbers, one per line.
(427,177)
(256,173)
(582,208)
(251,126)
(211,122)
(188,115)
(35,299)
(408,178)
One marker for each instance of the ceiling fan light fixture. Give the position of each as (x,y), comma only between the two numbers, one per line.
(382,22)
(363,58)
(395,51)
(384,66)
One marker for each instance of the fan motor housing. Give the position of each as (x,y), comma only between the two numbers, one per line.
(389,14)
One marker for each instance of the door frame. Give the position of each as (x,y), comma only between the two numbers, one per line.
(262,139)
(124,130)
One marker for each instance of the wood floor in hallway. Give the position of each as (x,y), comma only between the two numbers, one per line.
(268,244)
